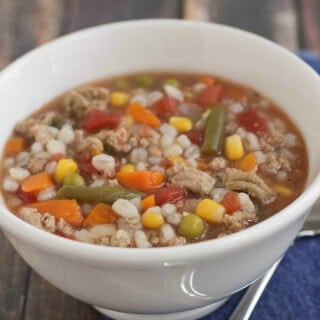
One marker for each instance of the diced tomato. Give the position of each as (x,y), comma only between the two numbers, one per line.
(196,136)
(250,120)
(26,197)
(231,202)
(209,95)
(165,107)
(170,194)
(85,162)
(166,163)
(96,120)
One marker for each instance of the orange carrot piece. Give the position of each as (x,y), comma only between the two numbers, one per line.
(209,81)
(68,210)
(148,202)
(143,115)
(15,145)
(141,180)
(248,163)
(202,165)
(235,93)
(101,213)
(231,201)
(36,182)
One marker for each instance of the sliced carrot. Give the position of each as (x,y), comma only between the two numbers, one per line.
(248,163)
(36,182)
(148,202)
(15,145)
(235,93)
(231,201)
(68,210)
(101,213)
(141,180)
(143,115)
(209,81)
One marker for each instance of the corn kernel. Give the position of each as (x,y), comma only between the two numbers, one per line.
(283,190)
(64,167)
(128,122)
(210,211)
(95,152)
(128,168)
(177,159)
(152,220)
(182,124)
(119,99)
(234,147)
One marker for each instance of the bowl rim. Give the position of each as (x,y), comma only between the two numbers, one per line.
(91,253)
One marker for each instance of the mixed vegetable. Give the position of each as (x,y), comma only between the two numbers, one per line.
(153,160)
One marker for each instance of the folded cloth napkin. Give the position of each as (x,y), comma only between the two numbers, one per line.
(294,290)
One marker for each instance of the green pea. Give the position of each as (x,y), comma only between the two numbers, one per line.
(73,179)
(172,82)
(121,84)
(191,226)
(144,81)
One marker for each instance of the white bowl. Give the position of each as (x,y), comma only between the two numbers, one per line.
(179,282)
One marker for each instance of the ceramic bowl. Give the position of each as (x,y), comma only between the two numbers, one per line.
(175,282)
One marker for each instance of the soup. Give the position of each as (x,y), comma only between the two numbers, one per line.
(155,159)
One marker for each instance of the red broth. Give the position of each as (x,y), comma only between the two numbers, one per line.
(155,159)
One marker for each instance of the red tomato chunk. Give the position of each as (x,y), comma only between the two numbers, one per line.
(96,120)
(165,107)
(172,193)
(231,202)
(27,197)
(209,95)
(196,136)
(250,120)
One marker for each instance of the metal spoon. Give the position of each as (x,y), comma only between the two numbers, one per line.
(250,299)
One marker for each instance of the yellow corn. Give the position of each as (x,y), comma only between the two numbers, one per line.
(210,211)
(152,220)
(182,124)
(177,159)
(64,167)
(95,152)
(119,99)
(283,190)
(234,147)
(128,168)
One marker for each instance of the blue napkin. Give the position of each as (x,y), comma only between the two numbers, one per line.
(294,290)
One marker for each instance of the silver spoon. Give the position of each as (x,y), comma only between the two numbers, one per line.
(250,299)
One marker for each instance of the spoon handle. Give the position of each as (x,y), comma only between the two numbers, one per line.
(248,302)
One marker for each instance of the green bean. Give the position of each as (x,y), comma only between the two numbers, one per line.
(144,80)
(214,130)
(107,194)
